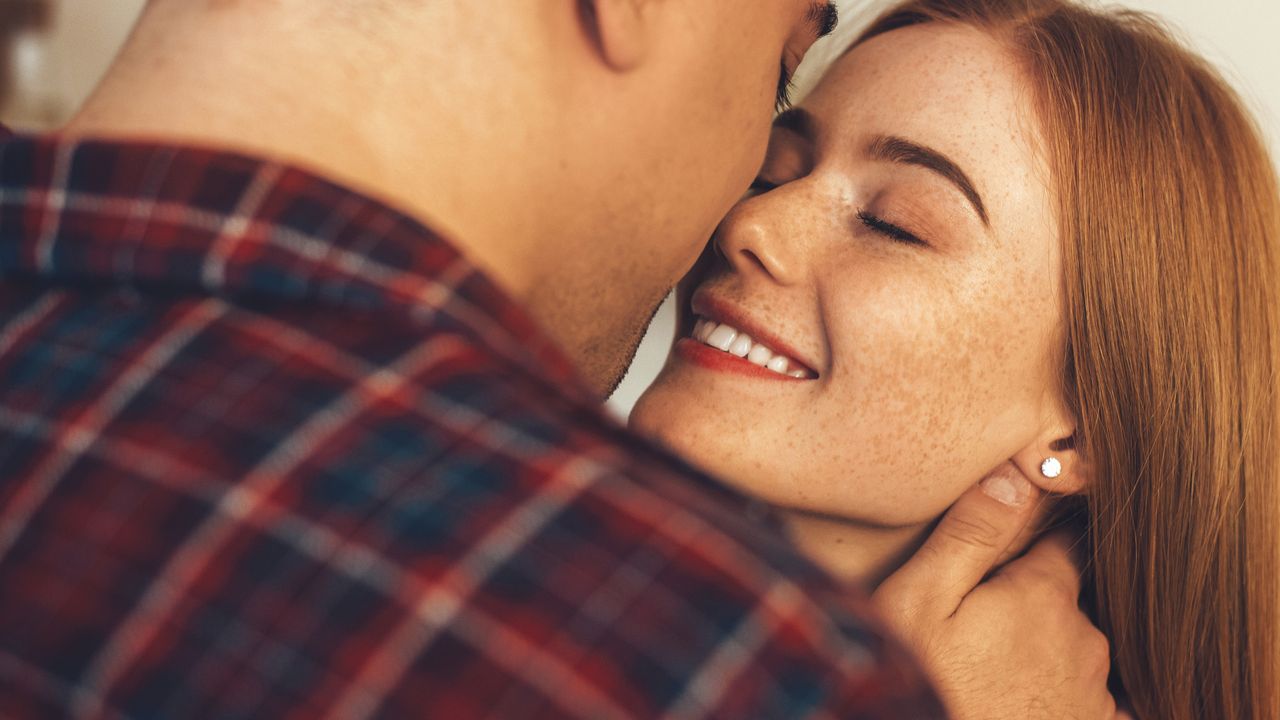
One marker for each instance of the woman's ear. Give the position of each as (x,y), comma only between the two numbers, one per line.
(622,30)
(1054,461)
(1061,471)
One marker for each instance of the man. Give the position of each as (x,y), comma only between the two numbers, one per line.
(273,448)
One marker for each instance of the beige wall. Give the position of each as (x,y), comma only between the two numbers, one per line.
(55,68)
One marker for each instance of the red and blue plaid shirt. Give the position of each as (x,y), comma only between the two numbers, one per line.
(271,449)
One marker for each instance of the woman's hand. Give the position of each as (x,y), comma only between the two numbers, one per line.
(1015,645)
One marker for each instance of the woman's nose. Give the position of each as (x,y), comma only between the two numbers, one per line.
(765,236)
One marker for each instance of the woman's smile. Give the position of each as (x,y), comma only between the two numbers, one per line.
(726,338)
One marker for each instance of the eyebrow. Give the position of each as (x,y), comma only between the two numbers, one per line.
(898,150)
(823,17)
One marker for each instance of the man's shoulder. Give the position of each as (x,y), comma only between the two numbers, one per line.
(580,540)
(585,547)
(296,502)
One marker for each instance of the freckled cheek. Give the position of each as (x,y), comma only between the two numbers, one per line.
(895,411)
(906,399)
(753,444)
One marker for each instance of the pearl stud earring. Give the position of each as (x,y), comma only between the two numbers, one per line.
(1051,468)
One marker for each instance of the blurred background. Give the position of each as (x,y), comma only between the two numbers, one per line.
(52,53)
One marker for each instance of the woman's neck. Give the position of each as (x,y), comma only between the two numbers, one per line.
(855,553)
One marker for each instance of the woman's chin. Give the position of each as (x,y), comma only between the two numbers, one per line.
(657,419)
(638,420)
(660,409)
(661,417)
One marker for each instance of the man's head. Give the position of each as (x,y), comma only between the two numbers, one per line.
(580,151)
(666,120)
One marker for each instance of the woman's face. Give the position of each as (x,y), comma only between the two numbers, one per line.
(900,248)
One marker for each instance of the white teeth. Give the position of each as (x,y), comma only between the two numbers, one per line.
(727,339)
(741,346)
(760,355)
(722,338)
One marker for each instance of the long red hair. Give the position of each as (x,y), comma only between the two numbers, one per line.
(1169,218)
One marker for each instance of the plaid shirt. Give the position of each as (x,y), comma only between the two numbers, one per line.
(271,449)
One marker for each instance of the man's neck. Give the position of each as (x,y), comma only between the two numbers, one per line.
(356,115)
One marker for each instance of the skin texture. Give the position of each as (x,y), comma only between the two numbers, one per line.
(936,363)
(580,152)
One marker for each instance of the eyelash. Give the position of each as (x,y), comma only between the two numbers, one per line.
(785,84)
(888,229)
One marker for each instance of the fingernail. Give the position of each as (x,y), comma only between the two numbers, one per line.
(1007,488)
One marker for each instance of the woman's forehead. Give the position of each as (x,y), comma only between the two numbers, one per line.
(942,79)
(953,88)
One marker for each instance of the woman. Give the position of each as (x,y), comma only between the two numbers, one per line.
(1014,236)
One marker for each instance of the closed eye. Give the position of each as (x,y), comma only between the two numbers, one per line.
(889,230)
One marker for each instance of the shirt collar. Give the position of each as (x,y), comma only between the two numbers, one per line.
(215,222)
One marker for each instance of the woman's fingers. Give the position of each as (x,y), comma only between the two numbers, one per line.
(1051,562)
(990,641)
(970,540)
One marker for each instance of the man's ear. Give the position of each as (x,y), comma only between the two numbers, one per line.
(622,30)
